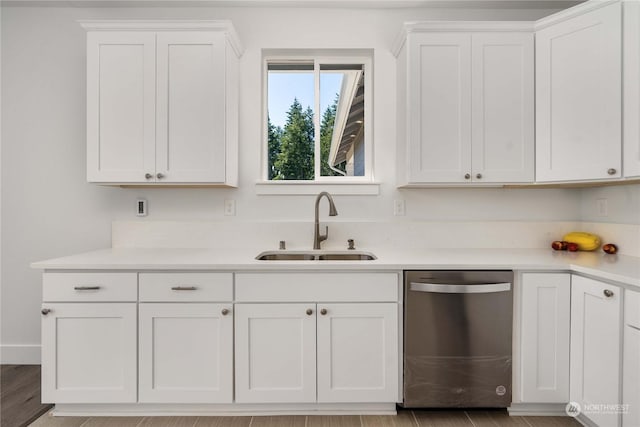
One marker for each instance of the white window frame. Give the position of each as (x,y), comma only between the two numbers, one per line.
(338,184)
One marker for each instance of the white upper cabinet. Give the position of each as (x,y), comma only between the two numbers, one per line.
(578,94)
(121,87)
(502,107)
(162,102)
(439,113)
(465,110)
(631,73)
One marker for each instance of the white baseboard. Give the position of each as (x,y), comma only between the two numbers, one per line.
(11,354)
(229,409)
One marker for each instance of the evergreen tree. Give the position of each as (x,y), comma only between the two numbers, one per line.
(274,143)
(295,160)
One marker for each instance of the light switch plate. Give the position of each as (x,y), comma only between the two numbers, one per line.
(602,206)
(229,207)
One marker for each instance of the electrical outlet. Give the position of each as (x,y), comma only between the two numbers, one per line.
(602,207)
(398,208)
(229,207)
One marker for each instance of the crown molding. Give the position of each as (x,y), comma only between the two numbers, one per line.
(458,26)
(167,25)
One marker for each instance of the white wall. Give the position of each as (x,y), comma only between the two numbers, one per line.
(623,204)
(48,210)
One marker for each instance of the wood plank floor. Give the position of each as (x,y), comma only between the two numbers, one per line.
(20,395)
(405,418)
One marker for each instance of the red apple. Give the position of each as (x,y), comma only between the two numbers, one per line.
(610,248)
(572,247)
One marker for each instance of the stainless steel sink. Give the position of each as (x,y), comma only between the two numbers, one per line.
(315,256)
(360,256)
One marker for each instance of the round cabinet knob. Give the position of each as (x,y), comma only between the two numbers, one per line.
(608,293)
(323,311)
(225,311)
(159,175)
(45,311)
(479,176)
(309,312)
(467,176)
(148,175)
(612,171)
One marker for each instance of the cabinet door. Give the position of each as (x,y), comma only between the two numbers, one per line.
(191,107)
(578,97)
(275,353)
(631,91)
(439,107)
(595,346)
(358,352)
(502,107)
(186,353)
(545,323)
(89,353)
(121,82)
(631,377)
(631,363)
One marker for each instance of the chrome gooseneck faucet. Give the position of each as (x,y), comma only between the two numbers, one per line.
(317,237)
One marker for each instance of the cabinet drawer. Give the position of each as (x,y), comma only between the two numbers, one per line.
(326,287)
(104,287)
(199,287)
(632,308)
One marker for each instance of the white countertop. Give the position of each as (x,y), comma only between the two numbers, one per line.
(619,268)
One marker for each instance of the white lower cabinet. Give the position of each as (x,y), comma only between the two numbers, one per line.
(631,363)
(89,352)
(275,353)
(595,348)
(352,356)
(545,323)
(186,353)
(357,358)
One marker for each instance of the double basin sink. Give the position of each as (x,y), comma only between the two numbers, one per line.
(349,255)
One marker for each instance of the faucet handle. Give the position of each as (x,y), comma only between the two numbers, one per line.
(351,244)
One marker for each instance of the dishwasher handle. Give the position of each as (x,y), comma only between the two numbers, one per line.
(441,288)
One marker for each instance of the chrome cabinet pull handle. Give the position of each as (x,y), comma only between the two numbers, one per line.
(45,311)
(612,171)
(309,312)
(323,311)
(86,288)
(183,288)
(479,176)
(467,176)
(159,175)
(225,311)
(608,293)
(148,176)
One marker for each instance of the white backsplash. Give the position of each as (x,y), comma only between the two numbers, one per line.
(368,235)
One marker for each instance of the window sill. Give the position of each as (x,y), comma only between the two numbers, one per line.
(297,188)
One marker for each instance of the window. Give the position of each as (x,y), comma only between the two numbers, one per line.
(317,120)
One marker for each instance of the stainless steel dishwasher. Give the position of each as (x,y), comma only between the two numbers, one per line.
(457,339)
